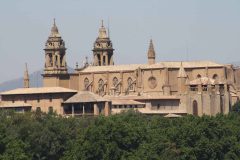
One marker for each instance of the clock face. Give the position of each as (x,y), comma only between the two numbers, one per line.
(152,82)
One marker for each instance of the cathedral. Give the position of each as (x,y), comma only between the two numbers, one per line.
(170,89)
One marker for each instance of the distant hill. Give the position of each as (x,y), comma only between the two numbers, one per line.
(235,63)
(36,80)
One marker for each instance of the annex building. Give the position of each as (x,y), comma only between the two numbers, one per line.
(102,87)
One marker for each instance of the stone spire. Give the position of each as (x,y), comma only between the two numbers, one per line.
(182,80)
(102,32)
(54,30)
(151,53)
(26,77)
(181,72)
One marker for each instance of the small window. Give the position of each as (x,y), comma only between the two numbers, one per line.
(13,101)
(38,109)
(50,110)
(199,76)
(50,99)
(215,77)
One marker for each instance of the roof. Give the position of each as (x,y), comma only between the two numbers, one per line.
(14,105)
(40,90)
(84,97)
(143,97)
(126,102)
(112,68)
(131,67)
(187,64)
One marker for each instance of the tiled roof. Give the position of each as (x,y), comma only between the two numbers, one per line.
(126,102)
(40,90)
(85,96)
(130,67)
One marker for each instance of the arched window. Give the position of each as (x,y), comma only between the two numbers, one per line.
(215,77)
(115,83)
(104,60)
(101,87)
(86,84)
(195,108)
(199,76)
(130,84)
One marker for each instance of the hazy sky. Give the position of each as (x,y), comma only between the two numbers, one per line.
(180,29)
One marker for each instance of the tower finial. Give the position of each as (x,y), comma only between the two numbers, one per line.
(54,30)
(102,32)
(26,68)
(102,23)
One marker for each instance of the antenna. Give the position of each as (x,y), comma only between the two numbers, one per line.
(187,51)
(108,27)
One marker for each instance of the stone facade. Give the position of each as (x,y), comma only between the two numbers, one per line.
(165,88)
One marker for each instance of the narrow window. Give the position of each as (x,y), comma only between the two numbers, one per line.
(86,84)
(101,87)
(130,84)
(50,110)
(195,108)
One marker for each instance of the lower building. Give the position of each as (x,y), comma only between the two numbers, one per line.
(60,100)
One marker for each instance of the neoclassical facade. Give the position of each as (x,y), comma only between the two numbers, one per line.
(164,88)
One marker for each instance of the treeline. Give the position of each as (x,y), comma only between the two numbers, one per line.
(129,135)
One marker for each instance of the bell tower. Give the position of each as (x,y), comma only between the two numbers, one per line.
(55,53)
(102,49)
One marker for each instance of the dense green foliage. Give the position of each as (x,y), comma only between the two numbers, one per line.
(125,136)
(236,107)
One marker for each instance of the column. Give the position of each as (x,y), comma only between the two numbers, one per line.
(64,61)
(72,110)
(96,109)
(121,85)
(111,60)
(53,60)
(106,60)
(107,109)
(58,60)
(101,62)
(83,110)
